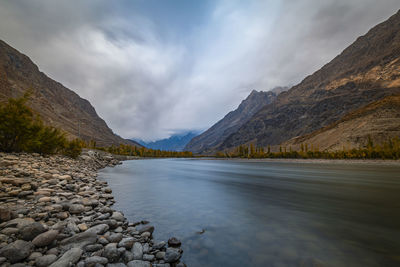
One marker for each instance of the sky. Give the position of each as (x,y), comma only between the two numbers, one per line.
(156,68)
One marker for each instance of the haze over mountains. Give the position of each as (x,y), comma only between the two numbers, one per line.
(365,72)
(176,142)
(57,105)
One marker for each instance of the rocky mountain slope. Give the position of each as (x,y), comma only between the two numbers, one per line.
(379,120)
(214,136)
(366,71)
(57,105)
(174,143)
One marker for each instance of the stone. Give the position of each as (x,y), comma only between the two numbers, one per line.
(137,251)
(148,257)
(160,255)
(114,238)
(174,242)
(76,208)
(19,222)
(93,248)
(10,231)
(146,234)
(138,263)
(118,216)
(79,240)
(159,245)
(45,260)
(111,252)
(69,258)
(34,255)
(146,248)
(127,256)
(44,199)
(98,229)
(172,255)
(92,261)
(119,264)
(147,228)
(45,238)
(16,251)
(53,251)
(6,215)
(126,242)
(62,215)
(30,231)
(26,187)
(82,227)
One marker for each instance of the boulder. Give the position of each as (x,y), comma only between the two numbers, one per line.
(79,240)
(111,252)
(30,231)
(172,255)
(45,238)
(16,251)
(69,258)
(137,251)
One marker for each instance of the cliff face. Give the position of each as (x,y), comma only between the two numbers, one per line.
(379,120)
(57,105)
(366,71)
(213,137)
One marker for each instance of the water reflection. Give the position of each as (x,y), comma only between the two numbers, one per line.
(266,213)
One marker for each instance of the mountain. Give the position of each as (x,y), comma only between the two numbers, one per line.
(379,121)
(174,143)
(279,89)
(214,136)
(57,105)
(365,72)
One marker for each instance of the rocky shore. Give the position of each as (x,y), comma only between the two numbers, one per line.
(54,212)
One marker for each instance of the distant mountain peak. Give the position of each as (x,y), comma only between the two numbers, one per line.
(366,71)
(176,142)
(213,137)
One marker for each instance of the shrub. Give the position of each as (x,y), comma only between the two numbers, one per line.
(22,130)
(73,148)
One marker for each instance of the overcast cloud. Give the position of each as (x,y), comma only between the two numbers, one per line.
(154,68)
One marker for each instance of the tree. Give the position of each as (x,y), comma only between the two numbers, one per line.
(23,130)
(17,124)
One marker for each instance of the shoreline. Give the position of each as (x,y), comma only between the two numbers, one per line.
(311,161)
(55,212)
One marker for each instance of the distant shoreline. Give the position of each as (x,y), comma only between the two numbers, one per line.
(311,161)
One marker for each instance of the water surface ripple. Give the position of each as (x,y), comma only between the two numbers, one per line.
(266,213)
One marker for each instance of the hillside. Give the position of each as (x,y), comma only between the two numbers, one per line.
(173,143)
(367,71)
(379,120)
(215,135)
(57,105)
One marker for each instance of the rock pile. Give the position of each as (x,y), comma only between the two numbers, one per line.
(54,212)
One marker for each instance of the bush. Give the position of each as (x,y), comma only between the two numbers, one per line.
(73,148)
(22,130)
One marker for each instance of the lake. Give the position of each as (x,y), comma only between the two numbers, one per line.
(256,213)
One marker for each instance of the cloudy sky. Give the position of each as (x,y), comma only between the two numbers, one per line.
(155,68)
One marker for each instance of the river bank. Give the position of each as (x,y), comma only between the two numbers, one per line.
(55,212)
(388,162)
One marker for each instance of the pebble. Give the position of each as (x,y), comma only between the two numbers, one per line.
(57,213)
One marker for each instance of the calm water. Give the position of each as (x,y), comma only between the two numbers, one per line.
(266,213)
